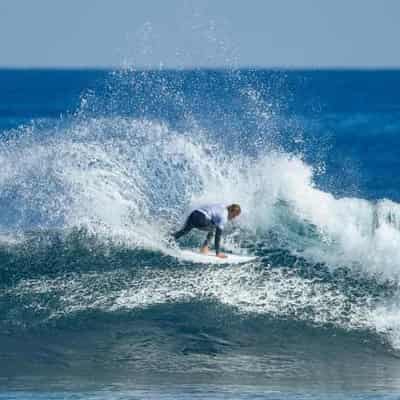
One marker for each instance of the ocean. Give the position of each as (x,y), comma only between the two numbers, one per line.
(98,167)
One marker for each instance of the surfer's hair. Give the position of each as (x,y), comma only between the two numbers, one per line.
(234,208)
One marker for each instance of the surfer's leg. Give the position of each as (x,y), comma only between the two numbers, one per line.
(195,220)
(204,248)
(208,238)
(189,225)
(218,234)
(184,231)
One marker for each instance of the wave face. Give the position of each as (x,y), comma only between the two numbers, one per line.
(87,203)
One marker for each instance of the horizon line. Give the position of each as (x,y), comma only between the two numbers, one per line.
(195,68)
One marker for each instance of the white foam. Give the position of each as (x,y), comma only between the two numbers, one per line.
(130,180)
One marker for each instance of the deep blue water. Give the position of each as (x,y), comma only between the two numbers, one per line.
(97,167)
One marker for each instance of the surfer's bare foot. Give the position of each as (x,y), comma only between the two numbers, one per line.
(204,250)
(222,255)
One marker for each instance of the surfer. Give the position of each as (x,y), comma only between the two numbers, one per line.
(212,217)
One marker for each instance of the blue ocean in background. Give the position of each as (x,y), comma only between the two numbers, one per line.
(98,167)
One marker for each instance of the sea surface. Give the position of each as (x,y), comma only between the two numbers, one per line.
(97,168)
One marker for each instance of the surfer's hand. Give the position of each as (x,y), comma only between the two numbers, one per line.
(222,255)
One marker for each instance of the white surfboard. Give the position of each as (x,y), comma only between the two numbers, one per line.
(211,258)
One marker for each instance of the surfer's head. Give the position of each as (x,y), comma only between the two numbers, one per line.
(233,211)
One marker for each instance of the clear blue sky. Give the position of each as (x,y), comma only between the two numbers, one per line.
(208,33)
